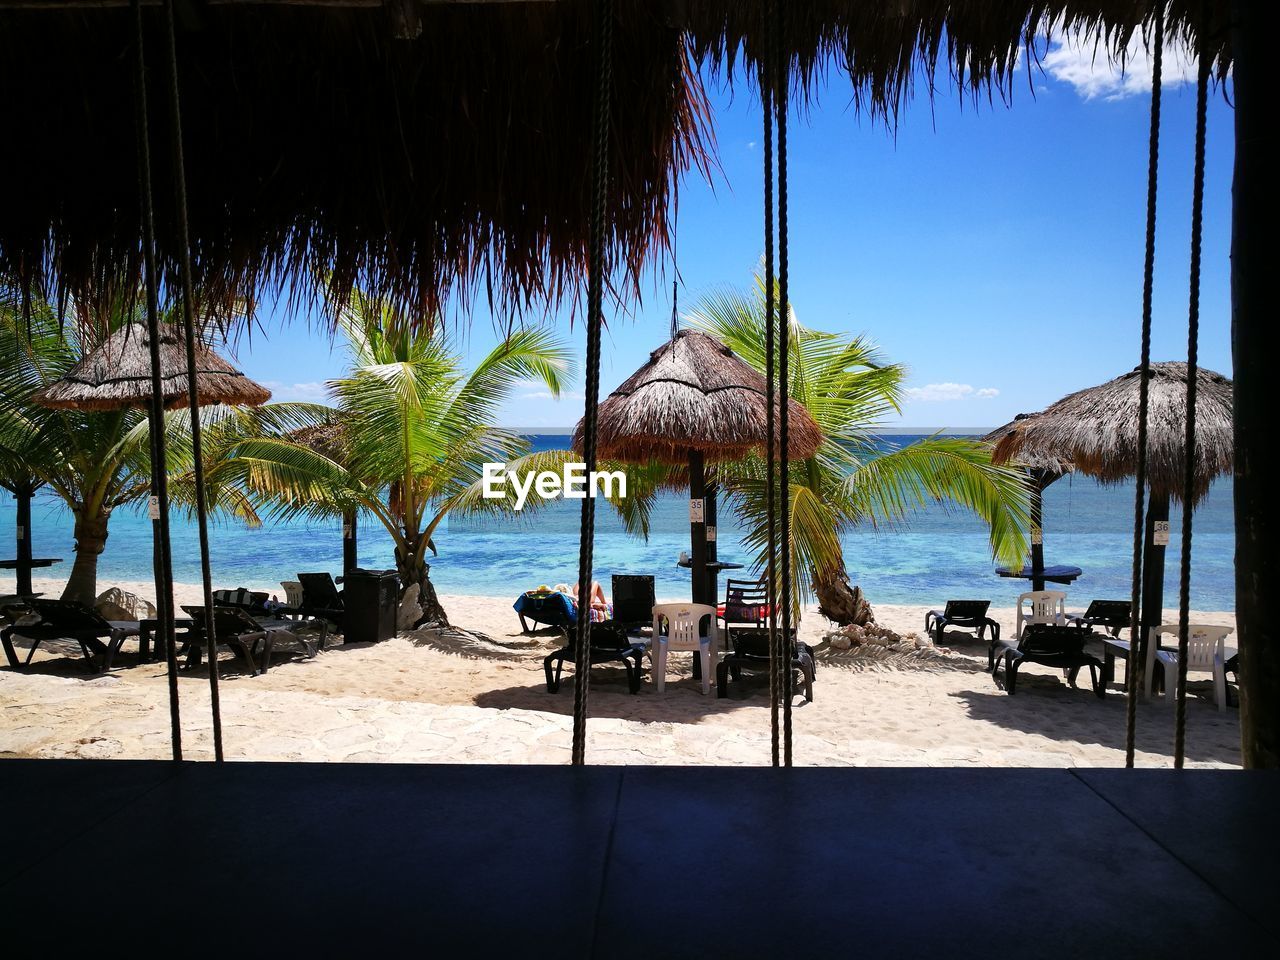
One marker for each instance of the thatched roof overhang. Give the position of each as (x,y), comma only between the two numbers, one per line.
(321,145)
(1097,430)
(117,374)
(417,147)
(694,393)
(1044,466)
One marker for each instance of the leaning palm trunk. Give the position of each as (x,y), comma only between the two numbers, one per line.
(413,569)
(840,601)
(91,540)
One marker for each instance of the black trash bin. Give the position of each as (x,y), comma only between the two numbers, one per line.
(370,599)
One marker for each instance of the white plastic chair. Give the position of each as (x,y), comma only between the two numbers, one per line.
(292,593)
(1206,653)
(1041,606)
(684,633)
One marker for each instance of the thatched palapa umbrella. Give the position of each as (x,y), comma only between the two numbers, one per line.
(1097,430)
(1043,467)
(118,374)
(693,402)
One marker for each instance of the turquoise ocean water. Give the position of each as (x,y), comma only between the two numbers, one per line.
(941,552)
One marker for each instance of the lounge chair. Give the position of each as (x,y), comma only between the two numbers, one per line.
(751,653)
(633,600)
(66,619)
(547,607)
(1109,615)
(967,615)
(1053,645)
(253,601)
(253,639)
(321,599)
(608,643)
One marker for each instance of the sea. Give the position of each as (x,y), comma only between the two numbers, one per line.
(939,552)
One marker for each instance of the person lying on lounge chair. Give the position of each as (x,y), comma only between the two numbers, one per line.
(601,608)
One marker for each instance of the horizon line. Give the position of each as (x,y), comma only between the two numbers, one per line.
(882,432)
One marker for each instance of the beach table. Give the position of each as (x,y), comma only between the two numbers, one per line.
(1058,573)
(24,566)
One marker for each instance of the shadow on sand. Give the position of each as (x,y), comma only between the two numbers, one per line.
(1047,706)
(682,701)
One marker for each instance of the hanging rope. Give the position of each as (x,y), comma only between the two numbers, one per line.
(163,559)
(1136,640)
(675,308)
(771,505)
(595,321)
(189,334)
(1193,358)
(784,342)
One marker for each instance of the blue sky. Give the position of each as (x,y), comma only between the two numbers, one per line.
(996,251)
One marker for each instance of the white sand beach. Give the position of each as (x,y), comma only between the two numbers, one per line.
(421,697)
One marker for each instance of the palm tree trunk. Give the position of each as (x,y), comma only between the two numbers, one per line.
(91,540)
(841,602)
(413,569)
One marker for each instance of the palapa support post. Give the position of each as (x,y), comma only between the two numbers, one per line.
(1152,577)
(1038,478)
(349,544)
(702,551)
(709,535)
(697,527)
(1253,349)
(22,496)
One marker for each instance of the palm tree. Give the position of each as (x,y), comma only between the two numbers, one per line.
(849,389)
(95,461)
(406,438)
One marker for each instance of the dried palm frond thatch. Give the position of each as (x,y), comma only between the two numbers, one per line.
(1046,464)
(693,393)
(1097,430)
(985,45)
(319,144)
(417,147)
(329,439)
(117,374)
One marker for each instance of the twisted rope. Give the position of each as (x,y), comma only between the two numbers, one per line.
(771,504)
(189,331)
(1136,641)
(784,343)
(1193,351)
(595,321)
(163,558)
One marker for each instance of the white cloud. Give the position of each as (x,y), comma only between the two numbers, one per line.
(949,392)
(313,392)
(1088,68)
